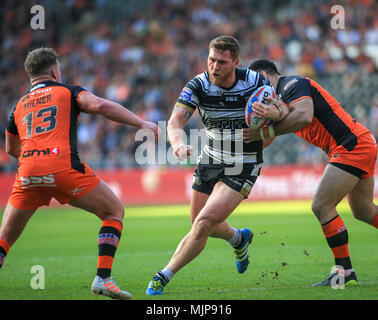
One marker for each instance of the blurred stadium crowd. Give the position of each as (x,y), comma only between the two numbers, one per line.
(141,53)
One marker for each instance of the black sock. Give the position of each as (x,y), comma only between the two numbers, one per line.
(108,240)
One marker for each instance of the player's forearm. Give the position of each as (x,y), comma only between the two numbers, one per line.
(294,121)
(116,112)
(13,146)
(176,133)
(14,153)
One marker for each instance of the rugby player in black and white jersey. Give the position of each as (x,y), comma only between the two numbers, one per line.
(225,175)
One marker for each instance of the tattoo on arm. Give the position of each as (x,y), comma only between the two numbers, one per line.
(186,113)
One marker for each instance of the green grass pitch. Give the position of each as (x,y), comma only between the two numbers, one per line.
(287,255)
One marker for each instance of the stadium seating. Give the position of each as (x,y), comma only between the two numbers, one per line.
(141,53)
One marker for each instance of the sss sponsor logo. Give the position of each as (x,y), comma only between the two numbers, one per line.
(43,152)
(47,180)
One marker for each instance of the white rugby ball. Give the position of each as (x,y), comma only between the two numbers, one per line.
(259,95)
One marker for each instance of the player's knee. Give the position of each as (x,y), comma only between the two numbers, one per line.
(120,211)
(319,209)
(316,207)
(117,212)
(203,227)
(362,218)
(365,214)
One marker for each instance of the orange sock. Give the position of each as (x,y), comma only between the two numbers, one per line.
(108,240)
(4,248)
(337,239)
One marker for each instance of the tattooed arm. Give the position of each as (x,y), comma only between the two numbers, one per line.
(175,130)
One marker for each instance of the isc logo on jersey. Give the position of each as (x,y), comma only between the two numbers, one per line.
(259,95)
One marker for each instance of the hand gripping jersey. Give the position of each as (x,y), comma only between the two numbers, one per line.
(45,119)
(223,112)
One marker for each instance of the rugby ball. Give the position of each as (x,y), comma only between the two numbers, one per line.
(259,95)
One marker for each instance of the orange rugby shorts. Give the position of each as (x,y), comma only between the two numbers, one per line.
(363,156)
(31,192)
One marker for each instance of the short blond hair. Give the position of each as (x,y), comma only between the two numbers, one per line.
(226,43)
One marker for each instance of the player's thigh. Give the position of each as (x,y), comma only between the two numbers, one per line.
(221,203)
(334,185)
(101,201)
(360,200)
(197,202)
(31,192)
(13,222)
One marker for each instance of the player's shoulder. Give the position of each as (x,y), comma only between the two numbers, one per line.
(74,89)
(49,86)
(292,88)
(200,81)
(247,75)
(288,82)
(249,80)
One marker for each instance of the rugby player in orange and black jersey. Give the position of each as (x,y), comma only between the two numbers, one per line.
(48,107)
(41,134)
(332,126)
(315,115)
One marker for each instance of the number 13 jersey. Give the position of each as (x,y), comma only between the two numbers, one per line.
(45,119)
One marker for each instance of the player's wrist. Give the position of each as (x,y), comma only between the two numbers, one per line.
(267,132)
(278,113)
(142,124)
(284,110)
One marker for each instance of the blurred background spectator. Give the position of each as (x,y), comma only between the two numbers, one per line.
(141,53)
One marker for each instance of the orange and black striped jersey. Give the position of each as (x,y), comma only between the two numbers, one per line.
(45,119)
(331,126)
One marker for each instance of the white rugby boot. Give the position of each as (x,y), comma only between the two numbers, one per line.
(107,287)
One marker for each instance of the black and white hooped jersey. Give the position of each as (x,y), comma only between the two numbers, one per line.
(223,115)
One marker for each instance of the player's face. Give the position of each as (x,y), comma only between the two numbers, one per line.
(266,76)
(221,67)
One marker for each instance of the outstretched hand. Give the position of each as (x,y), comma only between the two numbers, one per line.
(153,127)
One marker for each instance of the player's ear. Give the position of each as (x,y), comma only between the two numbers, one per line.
(55,72)
(264,74)
(236,62)
(52,72)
